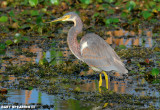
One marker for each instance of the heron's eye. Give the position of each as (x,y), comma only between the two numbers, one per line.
(67,16)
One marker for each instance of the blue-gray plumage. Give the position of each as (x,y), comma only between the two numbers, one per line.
(93,50)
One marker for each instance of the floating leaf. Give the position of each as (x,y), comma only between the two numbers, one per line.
(142,68)
(110,11)
(155,81)
(25,26)
(39,20)
(115,20)
(99,1)
(103,88)
(110,1)
(33,2)
(123,14)
(141,73)
(3,19)
(131,5)
(34,12)
(44,10)
(55,2)
(108,21)
(158,62)
(152,4)
(153,20)
(138,65)
(111,20)
(95,15)
(155,71)
(56,57)
(146,14)
(11,13)
(77,89)
(106,5)
(101,7)
(25,38)
(9,42)
(122,46)
(40,29)
(25,12)
(43,61)
(87,2)
(2,47)
(30,88)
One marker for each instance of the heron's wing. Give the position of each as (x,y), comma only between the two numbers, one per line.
(97,53)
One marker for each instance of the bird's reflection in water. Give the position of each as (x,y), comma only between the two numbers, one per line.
(111,84)
(114,84)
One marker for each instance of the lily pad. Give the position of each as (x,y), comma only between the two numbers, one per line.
(9,42)
(33,2)
(55,2)
(34,12)
(86,1)
(146,14)
(111,20)
(3,19)
(122,47)
(2,47)
(131,5)
(155,71)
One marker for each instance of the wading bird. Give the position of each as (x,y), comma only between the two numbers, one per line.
(92,50)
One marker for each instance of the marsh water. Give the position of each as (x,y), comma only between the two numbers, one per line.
(77,89)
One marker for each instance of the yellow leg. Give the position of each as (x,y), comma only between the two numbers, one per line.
(100,82)
(106,78)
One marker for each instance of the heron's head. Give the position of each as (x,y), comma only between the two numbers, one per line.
(71,16)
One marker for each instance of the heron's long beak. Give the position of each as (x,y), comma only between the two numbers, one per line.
(60,19)
(55,20)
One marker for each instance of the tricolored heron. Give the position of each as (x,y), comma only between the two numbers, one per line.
(92,50)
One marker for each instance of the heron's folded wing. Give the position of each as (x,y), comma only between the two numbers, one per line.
(98,53)
(93,59)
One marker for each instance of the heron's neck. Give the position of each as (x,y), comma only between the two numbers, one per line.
(74,46)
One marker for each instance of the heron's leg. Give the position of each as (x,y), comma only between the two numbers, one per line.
(100,82)
(106,78)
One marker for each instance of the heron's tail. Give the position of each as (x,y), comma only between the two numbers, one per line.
(121,70)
